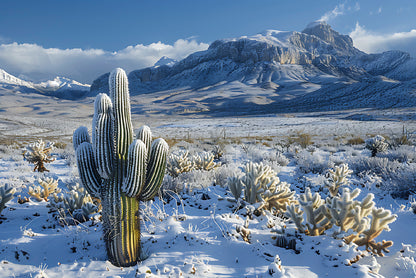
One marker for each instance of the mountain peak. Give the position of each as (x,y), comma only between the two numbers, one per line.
(324,31)
(165,61)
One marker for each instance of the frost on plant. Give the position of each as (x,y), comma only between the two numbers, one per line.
(261,185)
(76,203)
(6,194)
(337,178)
(370,228)
(47,186)
(39,153)
(317,220)
(179,163)
(235,185)
(119,168)
(204,161)
(359,222)
(376,145)
(182,162)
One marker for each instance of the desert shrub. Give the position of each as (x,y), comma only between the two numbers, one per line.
(402,182)
(303,139)
(376,145)
(39,153)
(403,153)
(196,179)
(380,166)
(60,145)
(12,152)
(315,163)
(398,179)
(355,141)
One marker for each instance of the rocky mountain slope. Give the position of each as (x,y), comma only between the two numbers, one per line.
(60,87)
(314,70)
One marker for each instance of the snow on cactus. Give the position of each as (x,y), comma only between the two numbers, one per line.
(46,187)
(376,145)
(358,222)
(119,169)
(39,153)
(6,194)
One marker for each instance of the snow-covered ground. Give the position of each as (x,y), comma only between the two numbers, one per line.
(193,233)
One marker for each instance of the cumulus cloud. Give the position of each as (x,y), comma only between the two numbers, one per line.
(84,65)
(371,42)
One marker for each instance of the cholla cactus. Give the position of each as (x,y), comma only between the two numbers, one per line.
(6,194)
(317,220)
(47,186)
(342,209)
(236,186)
(258,178)
(278,198)
(204,161)
(179,163)
(261,185)
(38,153)
(370,229)
(76,203)
(358,221)
(337,178)
(376,145)
(119,170)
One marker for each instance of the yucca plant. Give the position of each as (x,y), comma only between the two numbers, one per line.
(119,169)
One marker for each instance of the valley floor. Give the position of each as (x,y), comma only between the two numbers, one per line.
(193,233)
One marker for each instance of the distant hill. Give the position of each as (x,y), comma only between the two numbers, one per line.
(60,87)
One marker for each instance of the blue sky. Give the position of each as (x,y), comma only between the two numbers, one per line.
(83,39)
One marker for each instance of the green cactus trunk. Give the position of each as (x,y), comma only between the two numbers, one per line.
(122,229)
(119,170)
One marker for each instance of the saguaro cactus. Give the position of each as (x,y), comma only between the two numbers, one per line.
(119,169)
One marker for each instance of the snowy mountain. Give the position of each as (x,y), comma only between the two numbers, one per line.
(60,87)
(165,61)
(278,71)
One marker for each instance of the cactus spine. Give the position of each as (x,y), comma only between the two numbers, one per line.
(119,169)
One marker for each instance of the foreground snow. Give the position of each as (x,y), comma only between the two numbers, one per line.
(192,234)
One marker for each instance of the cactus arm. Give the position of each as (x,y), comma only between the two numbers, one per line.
(155,169)
(145,135)
(88,170)
(122,126)
(102,135)
(136,169)
(80,136)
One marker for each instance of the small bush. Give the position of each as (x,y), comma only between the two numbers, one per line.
(315,163)
(303,139)
(39,153)
(376,145)
(355,141)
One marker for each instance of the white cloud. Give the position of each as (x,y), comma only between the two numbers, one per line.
(374,43)
(340,9)
(328,16)
(84,65)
